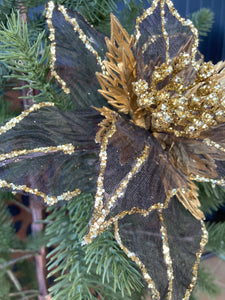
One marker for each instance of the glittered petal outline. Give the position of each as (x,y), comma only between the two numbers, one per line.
(148,12)
(83,38)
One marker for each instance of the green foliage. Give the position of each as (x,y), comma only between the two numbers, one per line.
(216,241)
(4,284)
(100,267)
(211,197)
(6,7)
(206,284)
(36,25)
(24,58)
(203,20)
(6,110)
(29,62)
(129,14)
(7,231)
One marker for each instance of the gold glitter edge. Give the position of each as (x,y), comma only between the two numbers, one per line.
(82,36)
(134,258)
(210,143)
(185,22)
(167,257)
(66,148)
(203,242)
(199,178)
(49,12)
(12,123)
(50,200)
(145,14)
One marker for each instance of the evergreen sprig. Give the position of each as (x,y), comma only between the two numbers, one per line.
(83,272)
(203,20)
(6,110)
(216,241)
(28,62)
(211,197)
(7,231)
(6,7)
(207,283)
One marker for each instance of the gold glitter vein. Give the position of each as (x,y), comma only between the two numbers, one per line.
(140,19)
(101,212)
(67,149)
(143,212)
(134,258)
(50,200)
(164,32)
(12,123)
(49,13)
(123,185)
(209,142)
(166,254)
(82,36)
(199,178)
(203,242)
(188,23)
(103,161)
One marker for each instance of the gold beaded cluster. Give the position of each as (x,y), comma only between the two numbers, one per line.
(179,108)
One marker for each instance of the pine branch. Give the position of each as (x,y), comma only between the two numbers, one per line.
(206,283)
(81,275)
(211,197)
(203,20)
(29,62)
(129,14)
(216,241)
(6,111)
(6,8)
(6,228)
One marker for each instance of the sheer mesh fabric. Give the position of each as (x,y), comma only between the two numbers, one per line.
(75,64)
(57,172)
(142,236)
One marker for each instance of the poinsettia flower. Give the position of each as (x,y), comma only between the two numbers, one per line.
(155,126)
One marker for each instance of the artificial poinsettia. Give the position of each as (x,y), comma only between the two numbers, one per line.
(155,126)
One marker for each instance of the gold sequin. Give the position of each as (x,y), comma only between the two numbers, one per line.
(207,179)
(164,32)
